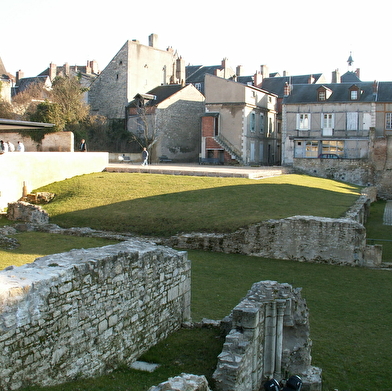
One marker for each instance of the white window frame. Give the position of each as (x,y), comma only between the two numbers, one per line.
(388,121)
(303,121)
(352,120)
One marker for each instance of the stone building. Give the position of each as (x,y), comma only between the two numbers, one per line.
(7,81)
(239,124)
(136,68)
(168,117)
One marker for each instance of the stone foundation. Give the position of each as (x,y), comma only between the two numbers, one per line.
(85,312)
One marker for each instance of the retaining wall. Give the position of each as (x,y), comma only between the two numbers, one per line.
(83,313)
(36,169)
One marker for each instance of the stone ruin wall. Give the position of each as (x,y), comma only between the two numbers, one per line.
(85,312)
(303,238)
(267,336)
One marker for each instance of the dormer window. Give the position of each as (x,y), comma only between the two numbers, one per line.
(354,92)
(323,93)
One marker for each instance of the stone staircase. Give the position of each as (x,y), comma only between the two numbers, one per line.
(230,148)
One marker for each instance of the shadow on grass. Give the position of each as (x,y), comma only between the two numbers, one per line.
(219,209)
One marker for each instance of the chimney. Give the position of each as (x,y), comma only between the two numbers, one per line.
(358,73)
(336,76)
(94,66)
(285,73)
(239,70)
(52,71)
(264,71)
(311,79)
(88,67)
(153,40)
(375,87)
(286,91)
(19,75)
(66,69)
(225,65)
(257,79)
(180,71)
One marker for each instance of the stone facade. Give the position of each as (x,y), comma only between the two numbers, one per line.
(136,68)
(83,313)
(267,337)
(173,118)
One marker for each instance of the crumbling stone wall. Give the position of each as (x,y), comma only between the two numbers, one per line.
(184,382)
(82,313)
(24,211)
(302,238)
(267,336)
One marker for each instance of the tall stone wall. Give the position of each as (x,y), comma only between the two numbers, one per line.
(268,337)
(82,313)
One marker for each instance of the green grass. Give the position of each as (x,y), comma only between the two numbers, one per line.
(350,308)
(162,205)
(378,233)
(38,244)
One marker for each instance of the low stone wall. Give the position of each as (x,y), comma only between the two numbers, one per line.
(83,313)
(268,337)
(301,238)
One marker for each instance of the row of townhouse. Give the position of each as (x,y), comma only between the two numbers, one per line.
(338,120)
(215,114)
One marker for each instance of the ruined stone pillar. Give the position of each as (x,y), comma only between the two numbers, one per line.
(281,305)
(270,339)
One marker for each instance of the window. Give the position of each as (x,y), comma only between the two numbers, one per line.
(311,149)
(352,121)
(388,121)
(252,124)
(261,123)
(198,86)
(354,95)
(321,95)
(303,121)
(327,121)
(332,147)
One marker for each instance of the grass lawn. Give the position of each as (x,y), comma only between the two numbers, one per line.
(350,308)
(154,204)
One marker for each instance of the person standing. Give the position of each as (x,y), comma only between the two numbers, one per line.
(83,146)
(21,147)
(11,147)
(145,157)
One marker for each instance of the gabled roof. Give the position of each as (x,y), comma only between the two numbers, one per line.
(195,73)
(350,77)
(276,84)
(159,93)
(307,93)
(24,83)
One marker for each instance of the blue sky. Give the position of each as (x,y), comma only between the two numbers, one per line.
(300,36)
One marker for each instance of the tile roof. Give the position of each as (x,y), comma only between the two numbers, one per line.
(307,93)
(276,84)
(161,93)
